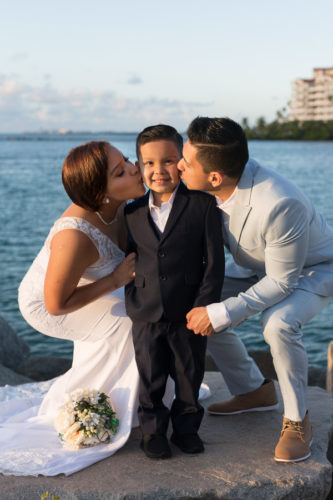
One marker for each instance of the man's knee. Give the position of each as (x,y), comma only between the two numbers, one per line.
(277,327)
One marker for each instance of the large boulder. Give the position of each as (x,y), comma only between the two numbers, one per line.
(8,376)
(264,360)
(44,367)
(13,350)
(317,377)
(262,357)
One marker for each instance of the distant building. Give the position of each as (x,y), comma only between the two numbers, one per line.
(313,99)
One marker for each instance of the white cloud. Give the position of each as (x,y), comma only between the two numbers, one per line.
(27,108)
(18,57)
(134,80)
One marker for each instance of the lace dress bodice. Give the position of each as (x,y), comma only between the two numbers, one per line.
(110,254)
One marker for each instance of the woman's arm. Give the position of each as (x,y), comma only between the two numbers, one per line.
(71,253)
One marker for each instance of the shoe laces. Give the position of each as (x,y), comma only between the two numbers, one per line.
(293,426)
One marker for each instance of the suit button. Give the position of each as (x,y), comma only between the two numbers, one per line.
(163,277)
(161,253)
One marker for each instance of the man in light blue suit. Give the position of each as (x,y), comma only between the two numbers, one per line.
(281,266)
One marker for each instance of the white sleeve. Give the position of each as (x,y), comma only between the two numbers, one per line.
(218,315)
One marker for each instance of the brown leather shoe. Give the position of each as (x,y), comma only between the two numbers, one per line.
(262,399)
(295,440)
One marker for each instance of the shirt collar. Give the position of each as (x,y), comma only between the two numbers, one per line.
(170,201)
(227,204)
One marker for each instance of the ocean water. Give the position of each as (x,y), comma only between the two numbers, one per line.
(32,197)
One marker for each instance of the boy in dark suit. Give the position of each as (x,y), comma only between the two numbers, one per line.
(177,236)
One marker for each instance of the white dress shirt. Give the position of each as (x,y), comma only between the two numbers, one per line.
(217,312)
(161,214)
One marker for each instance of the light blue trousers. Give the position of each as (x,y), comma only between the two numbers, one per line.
(282,330)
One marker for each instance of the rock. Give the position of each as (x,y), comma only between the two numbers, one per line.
(329,373)
(8,376)
(238,463)
(14,354)
(210,365)
(44,367)
(262,357)
(317,377)
(264,360)
(13,350)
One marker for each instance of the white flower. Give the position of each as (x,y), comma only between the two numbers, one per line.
(91,441)
(64,420)
(74,441)
(72,430)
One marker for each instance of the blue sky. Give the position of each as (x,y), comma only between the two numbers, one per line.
(122,65)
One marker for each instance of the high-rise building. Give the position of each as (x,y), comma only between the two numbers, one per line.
(312,99)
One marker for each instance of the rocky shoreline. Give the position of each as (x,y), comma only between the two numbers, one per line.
(18,367)
(238,462)
(16,364)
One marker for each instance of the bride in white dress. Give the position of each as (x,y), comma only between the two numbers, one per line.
(73,290)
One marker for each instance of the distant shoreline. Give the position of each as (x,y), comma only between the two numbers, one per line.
(277,130)
(283,130)
(28,136)
(54,137)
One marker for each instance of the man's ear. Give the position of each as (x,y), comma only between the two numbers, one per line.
(215,178)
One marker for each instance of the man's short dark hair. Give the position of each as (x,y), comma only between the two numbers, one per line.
(159,133)
(221,145)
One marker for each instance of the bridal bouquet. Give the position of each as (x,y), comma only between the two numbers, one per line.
(86,419)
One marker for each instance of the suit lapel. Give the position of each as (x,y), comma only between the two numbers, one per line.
(152,230)
(242,205)
(180,202)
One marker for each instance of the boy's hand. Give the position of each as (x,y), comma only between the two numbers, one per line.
(198,321)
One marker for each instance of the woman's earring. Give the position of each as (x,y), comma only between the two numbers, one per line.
(107,201)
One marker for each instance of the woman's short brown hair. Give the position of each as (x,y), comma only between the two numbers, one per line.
(84,174)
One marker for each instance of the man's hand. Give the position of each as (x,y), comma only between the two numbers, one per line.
(198,321)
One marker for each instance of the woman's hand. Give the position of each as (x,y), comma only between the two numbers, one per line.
(124,273)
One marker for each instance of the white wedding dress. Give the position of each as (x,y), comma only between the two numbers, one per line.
(103,359)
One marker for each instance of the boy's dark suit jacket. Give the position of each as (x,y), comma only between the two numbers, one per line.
(181,268)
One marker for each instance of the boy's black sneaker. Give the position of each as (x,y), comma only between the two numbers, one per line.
(155,446)
(188,443)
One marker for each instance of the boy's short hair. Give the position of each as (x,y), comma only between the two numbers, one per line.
(159,133)
(221,144)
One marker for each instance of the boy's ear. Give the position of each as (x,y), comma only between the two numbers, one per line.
(137,164)
(215,178)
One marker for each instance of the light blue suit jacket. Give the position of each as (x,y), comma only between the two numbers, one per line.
(276,234)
